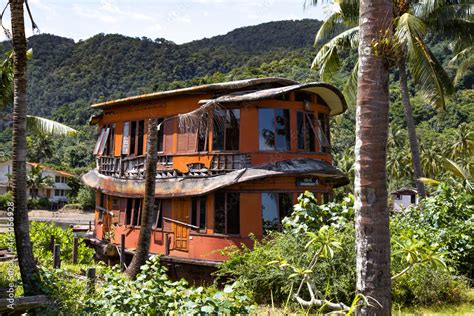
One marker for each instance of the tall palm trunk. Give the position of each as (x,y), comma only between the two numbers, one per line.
(26,261)
(415,153)
(370,185)
(141,253)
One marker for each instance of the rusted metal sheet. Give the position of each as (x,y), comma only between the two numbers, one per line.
(232,85)
(180,187)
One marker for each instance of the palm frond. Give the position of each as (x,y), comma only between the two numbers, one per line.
(43,125)
(327,59)
(427,71)
(328,27)
(463,61)
(437,9)
(345,13)
(350,87)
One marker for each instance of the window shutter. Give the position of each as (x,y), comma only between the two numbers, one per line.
(168,136)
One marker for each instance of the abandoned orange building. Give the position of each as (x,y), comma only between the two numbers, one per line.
(231,168)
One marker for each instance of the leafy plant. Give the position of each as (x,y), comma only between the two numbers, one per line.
(152,293)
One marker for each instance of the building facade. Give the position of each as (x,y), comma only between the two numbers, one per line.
(232,159)
(57,193)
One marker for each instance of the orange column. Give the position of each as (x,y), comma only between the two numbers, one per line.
(250,214)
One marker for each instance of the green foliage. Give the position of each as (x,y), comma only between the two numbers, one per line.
(38,203)
(5,199)
(277,264)
(40,234)
(152,293)
(446,219)
(86,197)
(424,286)
(422,245)
(307,216)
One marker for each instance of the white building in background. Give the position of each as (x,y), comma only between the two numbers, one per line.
(56,193)
(403,198)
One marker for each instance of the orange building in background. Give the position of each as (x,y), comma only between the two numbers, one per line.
(233,168)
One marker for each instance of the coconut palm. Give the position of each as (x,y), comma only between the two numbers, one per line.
(35,180)
(141,253)
(411,22)
(370,185)
(14,84)
(26,262)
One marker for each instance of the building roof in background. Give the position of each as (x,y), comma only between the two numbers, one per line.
(43,167)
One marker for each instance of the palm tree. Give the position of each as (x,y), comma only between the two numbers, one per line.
(411,21)
(26,262)
(35,180)
(370,185)
(141,253)
(13,84)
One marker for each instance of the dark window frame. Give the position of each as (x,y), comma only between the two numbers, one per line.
(275,128)
(199,213)
(227,200)
(278,205)
(306,117)
(136,136)
(224,128)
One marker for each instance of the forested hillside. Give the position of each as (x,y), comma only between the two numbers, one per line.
(66,77)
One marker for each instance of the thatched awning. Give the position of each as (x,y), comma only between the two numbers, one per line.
(193,186)
(329,93)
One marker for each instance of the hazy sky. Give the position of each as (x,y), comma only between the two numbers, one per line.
(176,20)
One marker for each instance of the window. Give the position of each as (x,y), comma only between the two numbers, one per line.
(57,179)
(274,129)
(101,205)
(275,206)
(157,218)
(160,139)
(133,212)
(326,197)
(187,139)
(203,133)
(132,140)
(99,141)
(413,199)
(227,213)
(63,179)
(109,142)
(198,212)
(323,132)
(226,129)
(306,132)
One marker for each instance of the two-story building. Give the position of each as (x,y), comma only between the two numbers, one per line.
(234,167)
(56,193)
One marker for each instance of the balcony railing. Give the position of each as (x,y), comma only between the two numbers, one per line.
(133,168)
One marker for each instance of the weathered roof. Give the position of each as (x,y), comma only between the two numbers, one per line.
(227,86)
(330,94)
(43,167)
(192,186)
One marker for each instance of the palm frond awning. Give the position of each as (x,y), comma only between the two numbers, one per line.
(331,95)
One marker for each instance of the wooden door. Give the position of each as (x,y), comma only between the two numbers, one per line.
(181,231)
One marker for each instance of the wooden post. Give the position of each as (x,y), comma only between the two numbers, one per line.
(51,243)
(56,257)
(91,280)
(122,252)
(167,245)
(90,225)
(75,244)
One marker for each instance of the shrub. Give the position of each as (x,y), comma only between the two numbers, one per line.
(152,293)
(445,219)
(38,203)
(86,198)
(40,234)
(4,199)
(254,269)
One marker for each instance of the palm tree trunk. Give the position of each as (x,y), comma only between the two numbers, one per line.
(26,261)
(370,185)
(141,253)
(415,153)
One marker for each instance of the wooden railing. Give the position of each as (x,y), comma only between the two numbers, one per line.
(133,168)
